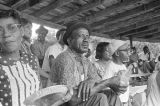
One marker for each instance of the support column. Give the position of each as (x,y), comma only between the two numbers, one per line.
(131,41)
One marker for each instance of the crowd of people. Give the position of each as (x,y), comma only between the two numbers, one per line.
(26,68)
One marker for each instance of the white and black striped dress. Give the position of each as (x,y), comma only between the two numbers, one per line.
(18,79)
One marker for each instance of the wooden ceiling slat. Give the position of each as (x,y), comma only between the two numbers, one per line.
(150,29)
(143,33)
(70,14)
(111,27)
(34,19)
(148,22)
(51,6)
(127,14)
(19,3)
(114,8)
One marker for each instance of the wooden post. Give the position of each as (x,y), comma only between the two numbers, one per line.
(131,41)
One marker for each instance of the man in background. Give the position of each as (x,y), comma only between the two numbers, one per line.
(40,46)
(26,41)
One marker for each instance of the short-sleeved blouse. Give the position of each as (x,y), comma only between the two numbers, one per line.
(18,79)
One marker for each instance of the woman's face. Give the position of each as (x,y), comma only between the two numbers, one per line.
(10,34)
(107,55)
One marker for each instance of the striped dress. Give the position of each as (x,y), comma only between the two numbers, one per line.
(18,79)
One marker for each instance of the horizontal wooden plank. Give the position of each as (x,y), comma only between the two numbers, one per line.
(127,14)
(82,9)
(51,6)
(114,9)
(147,16)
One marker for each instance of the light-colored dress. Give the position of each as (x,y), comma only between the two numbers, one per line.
(153,91)
(18,79)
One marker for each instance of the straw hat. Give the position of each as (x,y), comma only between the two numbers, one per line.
(52,94)
(116,44)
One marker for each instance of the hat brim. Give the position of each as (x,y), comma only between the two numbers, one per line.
(31,100)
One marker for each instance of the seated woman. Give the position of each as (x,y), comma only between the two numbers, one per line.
(18,71)
(104,57)
(111,61)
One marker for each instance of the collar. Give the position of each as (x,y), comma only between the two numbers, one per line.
(79,58)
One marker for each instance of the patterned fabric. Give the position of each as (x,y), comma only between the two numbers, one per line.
(18,79)
(25,47)
(53,50)
(153,92)
(70,69)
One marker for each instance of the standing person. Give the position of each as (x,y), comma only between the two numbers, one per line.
(18,70)
(52,52)
(26,41)
(73,69)
(40,45)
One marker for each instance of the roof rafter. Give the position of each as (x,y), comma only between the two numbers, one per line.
(77,11)
(115,26)
(51,6)
(119,7)
(127,14)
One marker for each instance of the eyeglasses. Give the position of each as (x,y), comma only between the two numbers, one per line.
(11,28)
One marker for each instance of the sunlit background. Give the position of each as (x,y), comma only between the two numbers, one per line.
(50,36)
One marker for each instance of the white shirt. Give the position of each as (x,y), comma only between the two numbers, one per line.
(54,50)
(111,69)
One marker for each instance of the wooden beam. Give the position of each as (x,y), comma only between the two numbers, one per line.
(34,19)
(141,24)
(135,32)
(127,14)
(143,40)
(19,3)
(82,9)
(114,9)
(28,8)
(51,6)
(115,26)
(100,35)
(144,33)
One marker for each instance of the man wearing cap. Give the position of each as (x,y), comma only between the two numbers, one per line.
(73,69)
(40,45)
